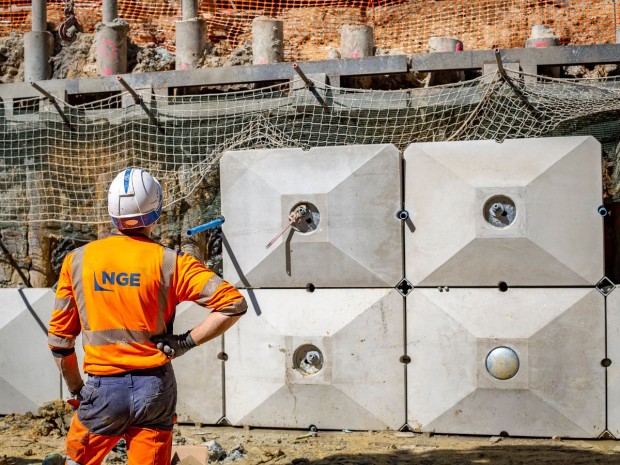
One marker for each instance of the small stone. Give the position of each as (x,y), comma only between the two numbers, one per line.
(53,459)
(427,435)
(495,439)
(556,438)
(216,452)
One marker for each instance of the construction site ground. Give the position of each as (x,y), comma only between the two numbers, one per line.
(37,437)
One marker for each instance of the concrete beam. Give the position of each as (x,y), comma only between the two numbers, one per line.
(528,59)
(214,76)
(475,59)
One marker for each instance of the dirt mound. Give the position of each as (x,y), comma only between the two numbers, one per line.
(12,58)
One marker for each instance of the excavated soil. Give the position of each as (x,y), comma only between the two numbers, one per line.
(39,438)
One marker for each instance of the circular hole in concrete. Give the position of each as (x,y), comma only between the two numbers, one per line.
(308,360)
(502,286)
(310,287)
(222,356)
(306,217)
(502,363)
(499,211)
(606,362)
(504,434)
(405,359)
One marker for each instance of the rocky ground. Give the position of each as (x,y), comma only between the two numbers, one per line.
(39,438)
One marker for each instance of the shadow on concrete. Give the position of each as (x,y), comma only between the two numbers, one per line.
(498,454)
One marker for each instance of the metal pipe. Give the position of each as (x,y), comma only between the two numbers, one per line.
(49,96)
(304,78)
(205,227)
(190,9)
(137,98)
(500,65)
(54,102)
(39,16)
(110,10)
(506,78)
(310,86)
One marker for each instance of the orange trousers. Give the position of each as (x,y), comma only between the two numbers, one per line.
(145,446)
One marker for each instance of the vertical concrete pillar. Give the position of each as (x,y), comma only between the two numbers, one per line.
(190,36)
(111,41)
(445,45)
(357,41)
(190,9)
(267,40)
(110,10)
(38,45)
(543,36)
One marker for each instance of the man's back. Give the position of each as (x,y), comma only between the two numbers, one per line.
(121,288)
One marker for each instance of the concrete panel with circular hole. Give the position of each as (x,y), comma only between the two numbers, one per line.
(526,362)
(199,372)
(326,216)
(28,374)
(329,358)
(524,212)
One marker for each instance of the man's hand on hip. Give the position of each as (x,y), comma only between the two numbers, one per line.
(174,345)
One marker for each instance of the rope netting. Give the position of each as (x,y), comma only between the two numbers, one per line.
(312,28)
(58,171)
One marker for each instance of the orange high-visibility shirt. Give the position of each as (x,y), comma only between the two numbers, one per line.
(120,291)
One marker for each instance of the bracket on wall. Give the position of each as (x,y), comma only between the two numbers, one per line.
(137,98)
(311,87)
(54,102)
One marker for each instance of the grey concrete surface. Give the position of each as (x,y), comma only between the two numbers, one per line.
(558,335)
(355,191)
(357,333)
(28,375)
(556,237)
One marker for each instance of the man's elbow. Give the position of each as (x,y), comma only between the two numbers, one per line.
(238,308)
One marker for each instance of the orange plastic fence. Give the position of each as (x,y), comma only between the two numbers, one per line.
(312,28)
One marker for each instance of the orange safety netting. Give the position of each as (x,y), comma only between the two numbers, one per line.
(312,28)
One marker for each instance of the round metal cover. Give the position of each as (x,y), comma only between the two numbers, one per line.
(502,363)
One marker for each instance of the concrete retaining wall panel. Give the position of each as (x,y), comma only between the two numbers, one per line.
(198,372)
(544,347)
(613,354)
(28,375)
(350,236)
(330,358)
(524,212)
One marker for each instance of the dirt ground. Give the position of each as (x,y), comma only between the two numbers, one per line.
(39,438)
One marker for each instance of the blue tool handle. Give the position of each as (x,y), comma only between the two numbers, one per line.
(205,227)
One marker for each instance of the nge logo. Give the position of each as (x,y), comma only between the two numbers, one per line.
(112,278)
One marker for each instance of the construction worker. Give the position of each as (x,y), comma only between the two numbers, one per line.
(120,292)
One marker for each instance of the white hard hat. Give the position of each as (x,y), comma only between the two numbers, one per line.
(135,199)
